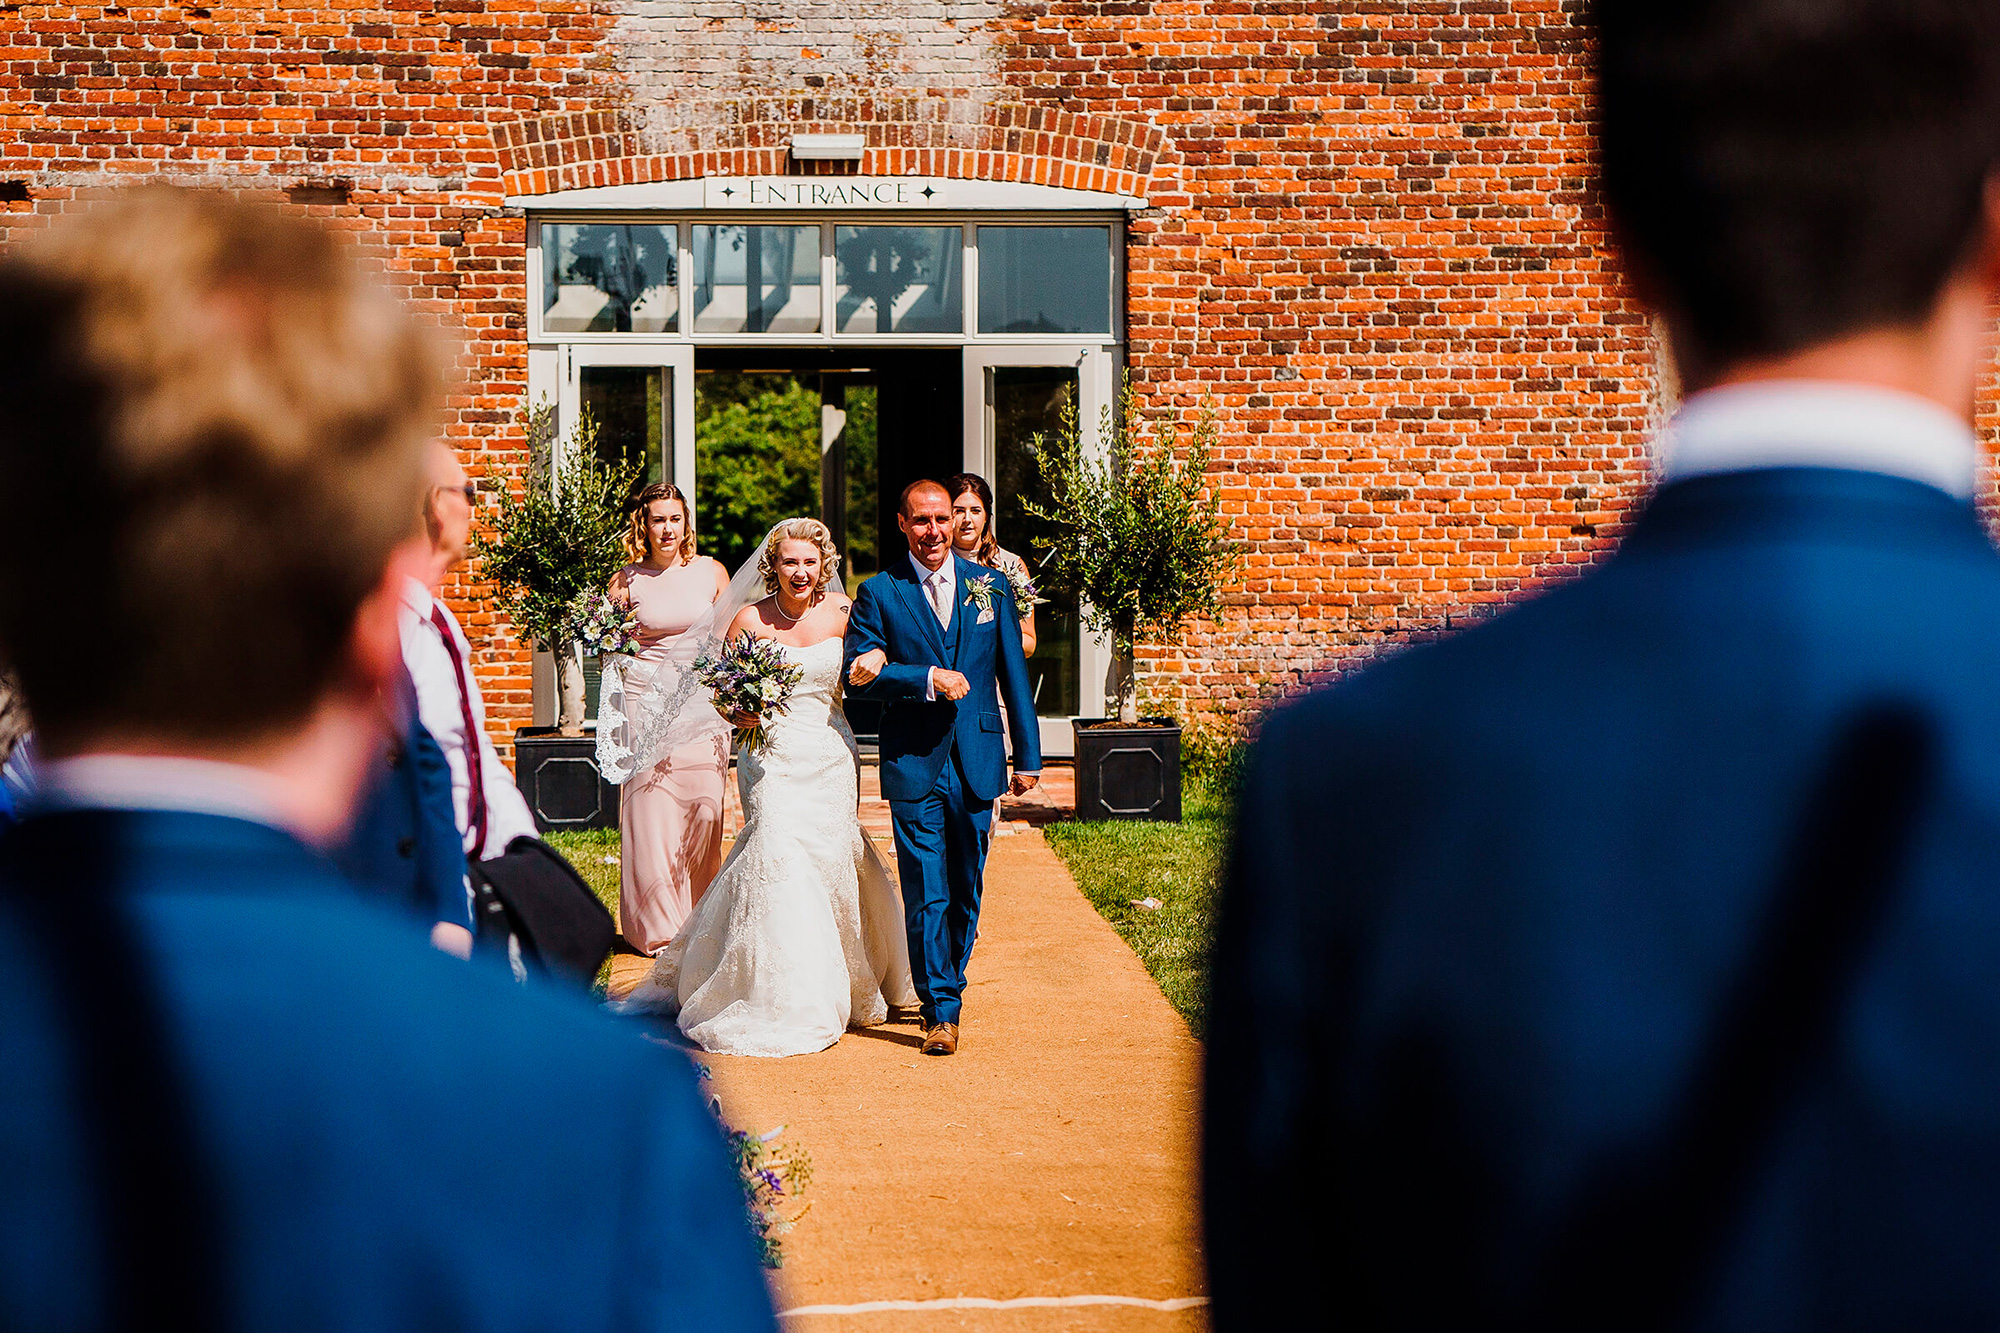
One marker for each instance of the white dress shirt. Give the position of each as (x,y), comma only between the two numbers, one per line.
(159,782)
(940,587)
(1820,423)
(438,709)
(943,580)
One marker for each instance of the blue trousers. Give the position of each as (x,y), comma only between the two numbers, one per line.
(941,843)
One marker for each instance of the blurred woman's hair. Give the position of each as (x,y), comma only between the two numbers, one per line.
(957,484)
(639,531)
(799,530)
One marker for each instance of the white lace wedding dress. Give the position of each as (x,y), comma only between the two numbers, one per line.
(800,935)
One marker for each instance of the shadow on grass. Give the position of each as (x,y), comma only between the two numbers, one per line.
(1120,864)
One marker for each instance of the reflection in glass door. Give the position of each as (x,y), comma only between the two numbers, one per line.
(1028,402)
(1012,395)
(638,395)
(633,409)
(634,393)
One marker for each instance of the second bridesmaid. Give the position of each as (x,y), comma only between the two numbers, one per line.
(670,816)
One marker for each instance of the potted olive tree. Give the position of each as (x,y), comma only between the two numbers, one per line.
(1137,532)
(543,549)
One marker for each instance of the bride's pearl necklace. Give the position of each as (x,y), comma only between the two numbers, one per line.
(779,608)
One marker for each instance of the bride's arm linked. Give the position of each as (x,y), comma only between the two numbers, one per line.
(877,677)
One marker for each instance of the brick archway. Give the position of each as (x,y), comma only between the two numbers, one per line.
(1012,142)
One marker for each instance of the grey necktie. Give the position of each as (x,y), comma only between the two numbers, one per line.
(939,603)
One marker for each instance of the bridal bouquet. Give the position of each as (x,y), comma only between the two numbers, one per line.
(750,676)
(603,624)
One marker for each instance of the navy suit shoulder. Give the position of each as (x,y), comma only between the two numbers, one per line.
(403,1141)
(405,848)
(1486,893)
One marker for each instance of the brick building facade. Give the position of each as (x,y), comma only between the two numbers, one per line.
(1361,228)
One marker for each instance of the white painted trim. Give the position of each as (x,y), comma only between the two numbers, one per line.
(965,194)
(828,147)
(988,1303)
(1098,365)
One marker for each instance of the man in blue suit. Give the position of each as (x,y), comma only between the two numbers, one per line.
(936,638)
(235,1095)
(404,847)
(1494,988)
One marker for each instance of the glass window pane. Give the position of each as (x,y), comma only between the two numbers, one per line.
(784,298)
(609,279)
(756,457)
(860,463)
(1045,279)
(633,409)
(897,279)
(1028,401)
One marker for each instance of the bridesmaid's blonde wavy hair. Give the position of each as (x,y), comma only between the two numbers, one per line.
(638,540)
(799,530)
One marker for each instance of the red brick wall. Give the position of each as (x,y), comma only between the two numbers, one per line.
(378,117)
(1373,245)
(1371,241)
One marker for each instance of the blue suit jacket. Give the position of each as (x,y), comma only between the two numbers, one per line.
(919,736)
(405,846)
(400,1141)
(1487,894)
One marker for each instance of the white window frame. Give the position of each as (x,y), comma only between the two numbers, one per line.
(967,223)
(1097,366)
(555,358)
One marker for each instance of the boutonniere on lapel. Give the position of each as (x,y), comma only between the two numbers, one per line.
(979,593)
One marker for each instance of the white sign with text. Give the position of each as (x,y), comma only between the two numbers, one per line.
(829,192)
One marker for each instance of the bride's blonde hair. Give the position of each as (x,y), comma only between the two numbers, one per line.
(799,530)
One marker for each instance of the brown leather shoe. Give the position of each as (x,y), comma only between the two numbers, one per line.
(942,1040)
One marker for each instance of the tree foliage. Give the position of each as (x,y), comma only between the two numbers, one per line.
(756,459)
(1135,530)
(562,535)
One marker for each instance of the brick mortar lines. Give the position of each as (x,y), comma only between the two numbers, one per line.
(1371,242)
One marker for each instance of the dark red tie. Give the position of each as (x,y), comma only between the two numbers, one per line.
(475,799)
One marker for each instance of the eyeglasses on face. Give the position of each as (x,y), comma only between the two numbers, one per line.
(470,491)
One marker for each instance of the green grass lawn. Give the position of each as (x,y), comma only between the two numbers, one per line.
(586,851)
(1119,862)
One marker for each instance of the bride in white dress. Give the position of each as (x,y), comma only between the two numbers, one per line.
(800,936)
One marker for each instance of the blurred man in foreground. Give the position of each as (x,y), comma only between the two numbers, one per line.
(1528,1010)
(234,1094)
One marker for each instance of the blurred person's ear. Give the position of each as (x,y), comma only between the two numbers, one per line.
(375,645)
(1986,256)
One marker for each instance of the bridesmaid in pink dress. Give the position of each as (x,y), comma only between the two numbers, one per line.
(669,817)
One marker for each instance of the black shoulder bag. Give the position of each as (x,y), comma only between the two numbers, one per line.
(530,906)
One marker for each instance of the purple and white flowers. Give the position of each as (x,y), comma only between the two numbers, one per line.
(752,677)
(603,624)
(1022,583)
(979,593)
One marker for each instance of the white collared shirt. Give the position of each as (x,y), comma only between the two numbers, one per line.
(436,680)
(947,573)
(160,782)
(1820,423)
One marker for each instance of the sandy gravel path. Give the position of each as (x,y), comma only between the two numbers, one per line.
(1052,1158)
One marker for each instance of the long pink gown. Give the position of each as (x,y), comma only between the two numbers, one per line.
(670,816)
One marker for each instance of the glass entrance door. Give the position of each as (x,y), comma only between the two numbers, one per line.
(1013,395)
(642,400)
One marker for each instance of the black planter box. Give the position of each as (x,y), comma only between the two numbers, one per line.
(1128,772)
(558,776)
